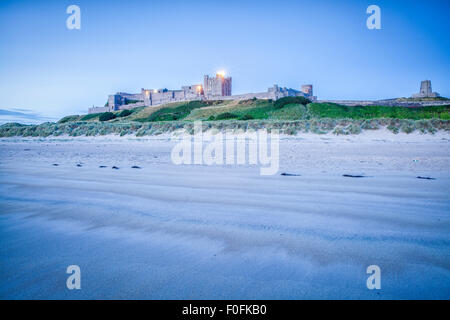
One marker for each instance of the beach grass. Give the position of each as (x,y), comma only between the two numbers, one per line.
(290,127)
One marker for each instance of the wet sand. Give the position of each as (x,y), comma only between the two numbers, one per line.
(163,231)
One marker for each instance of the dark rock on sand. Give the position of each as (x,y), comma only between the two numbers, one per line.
(290,174)
(353,176)
(426,178)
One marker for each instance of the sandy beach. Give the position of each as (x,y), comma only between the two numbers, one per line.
(165,231)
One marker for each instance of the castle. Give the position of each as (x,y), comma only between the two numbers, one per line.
(213,88)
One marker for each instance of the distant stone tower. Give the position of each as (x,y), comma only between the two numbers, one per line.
(425,88)
(425,91)
(217,86)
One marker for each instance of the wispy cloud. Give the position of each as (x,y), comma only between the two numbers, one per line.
(24,116)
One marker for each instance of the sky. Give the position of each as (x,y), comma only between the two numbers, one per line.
(52,71)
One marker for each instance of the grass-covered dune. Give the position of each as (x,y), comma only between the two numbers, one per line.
(290,115)
(319,126)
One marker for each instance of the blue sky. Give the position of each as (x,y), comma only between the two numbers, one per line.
(127,45)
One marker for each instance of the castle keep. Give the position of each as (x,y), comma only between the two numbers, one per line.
(218,86)
(213,88)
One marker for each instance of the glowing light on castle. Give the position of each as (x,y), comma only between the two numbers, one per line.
(221,73)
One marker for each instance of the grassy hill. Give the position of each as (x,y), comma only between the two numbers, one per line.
(289,108)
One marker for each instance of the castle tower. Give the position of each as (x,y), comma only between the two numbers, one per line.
(217,86)
(307,89)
